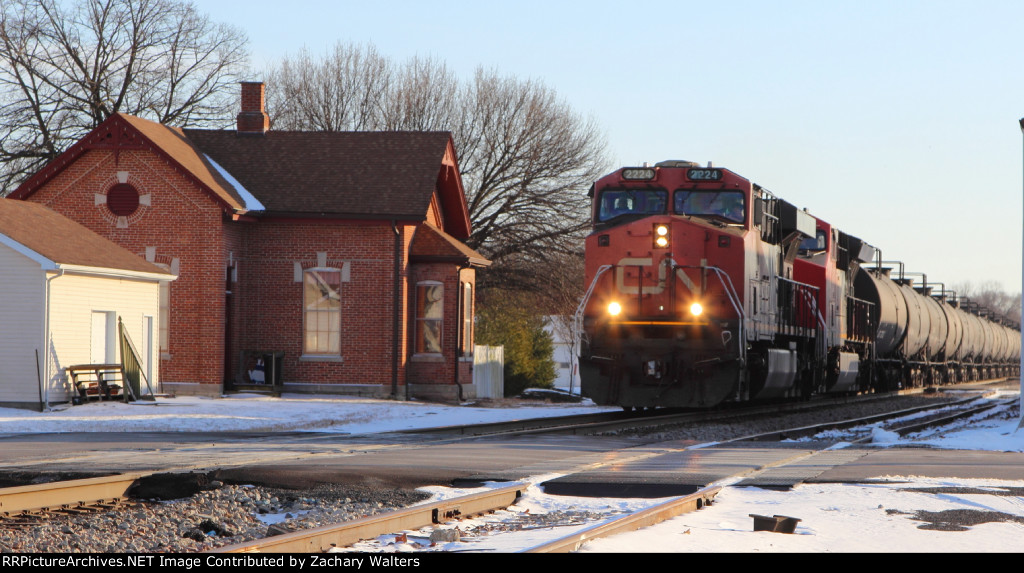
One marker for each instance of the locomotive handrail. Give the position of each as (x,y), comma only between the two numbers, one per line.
(812,302)
(734,299)
(855,329)
(577,318)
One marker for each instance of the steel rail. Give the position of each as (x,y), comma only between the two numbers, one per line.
(811,430)
(669,419)
(946,419)
(520,424)
(631,522)
(323,538)
(63,494)
(617,421)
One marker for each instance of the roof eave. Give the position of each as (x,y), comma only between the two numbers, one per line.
(463,260)
(385,217)
(44,262)
(453,194)
(64,160)
(118,273)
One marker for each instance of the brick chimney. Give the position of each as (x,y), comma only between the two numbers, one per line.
(253,118)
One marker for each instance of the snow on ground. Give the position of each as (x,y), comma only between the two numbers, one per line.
(881,516)
(255,412)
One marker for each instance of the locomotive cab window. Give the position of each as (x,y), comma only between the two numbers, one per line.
(619,202)
(727,205)
(813,245)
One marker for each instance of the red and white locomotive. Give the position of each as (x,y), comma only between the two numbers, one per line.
(704,287)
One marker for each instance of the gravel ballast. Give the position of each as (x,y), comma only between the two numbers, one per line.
(225,514)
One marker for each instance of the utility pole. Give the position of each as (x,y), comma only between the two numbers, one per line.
(1021,402)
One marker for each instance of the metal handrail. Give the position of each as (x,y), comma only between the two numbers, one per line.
(577,318)
(734,300)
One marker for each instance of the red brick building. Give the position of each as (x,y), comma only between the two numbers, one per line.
(340,250)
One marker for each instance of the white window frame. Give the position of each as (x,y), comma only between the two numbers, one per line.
(466,343)
(419,343)
(331,317)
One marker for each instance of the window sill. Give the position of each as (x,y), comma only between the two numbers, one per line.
(432,357)
(321,358)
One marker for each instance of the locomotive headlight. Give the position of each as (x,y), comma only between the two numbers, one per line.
(696,309)
(614,309)
(661,236)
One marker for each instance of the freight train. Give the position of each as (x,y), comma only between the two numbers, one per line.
(705,288)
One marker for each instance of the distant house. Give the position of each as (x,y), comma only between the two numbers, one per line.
(563,351)
(64,290)
(340,252)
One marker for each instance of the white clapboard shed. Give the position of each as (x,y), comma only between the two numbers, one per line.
(63,289)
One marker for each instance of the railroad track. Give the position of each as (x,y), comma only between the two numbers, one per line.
(961,408)
(70,496)
(631,522)
(76,495)
(392,523)
(324,539)
(649,420)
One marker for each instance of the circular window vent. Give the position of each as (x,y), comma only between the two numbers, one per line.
(122,200)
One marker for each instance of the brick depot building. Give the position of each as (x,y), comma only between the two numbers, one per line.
(343,251)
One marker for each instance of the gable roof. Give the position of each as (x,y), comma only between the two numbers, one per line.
(431,244)
(61,241)
(361,175)
(122,132)
(178,148)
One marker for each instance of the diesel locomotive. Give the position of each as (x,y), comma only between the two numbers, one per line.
(704,288)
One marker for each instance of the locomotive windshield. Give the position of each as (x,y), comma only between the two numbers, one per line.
(619,202)
(815,244)
(728,205)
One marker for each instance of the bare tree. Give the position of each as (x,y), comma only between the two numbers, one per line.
(344,91)
(526,157)
(561,288)
(67,66)
(424,96)
(990,295)
(528,160)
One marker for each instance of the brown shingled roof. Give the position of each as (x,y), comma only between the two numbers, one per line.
(357,174)
(433,244)
(64,241)
(360,175)
(174,143)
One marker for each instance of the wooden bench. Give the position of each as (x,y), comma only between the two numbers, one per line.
(98,381)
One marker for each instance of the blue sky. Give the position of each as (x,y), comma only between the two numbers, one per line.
(894,120)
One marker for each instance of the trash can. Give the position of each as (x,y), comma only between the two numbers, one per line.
(273,362)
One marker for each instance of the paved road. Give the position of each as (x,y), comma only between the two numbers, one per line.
(598,465)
